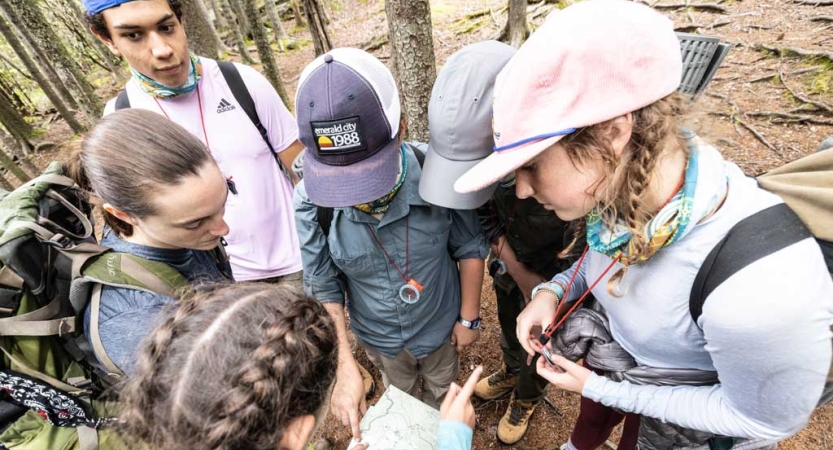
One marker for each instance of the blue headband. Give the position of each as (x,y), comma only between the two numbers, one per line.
(94,7)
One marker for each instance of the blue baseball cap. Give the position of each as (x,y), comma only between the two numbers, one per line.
(348,112)
(96,6)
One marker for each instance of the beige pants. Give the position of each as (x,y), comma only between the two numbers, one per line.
(294,280)
(438,371)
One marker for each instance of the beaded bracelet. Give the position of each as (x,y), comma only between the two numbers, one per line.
(551,287)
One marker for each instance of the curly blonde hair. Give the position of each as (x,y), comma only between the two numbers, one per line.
(656,128)
(230,369)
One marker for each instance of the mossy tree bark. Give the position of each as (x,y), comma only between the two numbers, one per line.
(317,27)
(35,73)
(278,33)
(516,30)
(412,52)
(270,65)
(201,34)
(27,14)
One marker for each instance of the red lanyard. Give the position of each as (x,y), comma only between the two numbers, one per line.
(406,276)
(555,324)
(202,119)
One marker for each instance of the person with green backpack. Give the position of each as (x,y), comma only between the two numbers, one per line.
(715,302)
(162,198)
(75,327)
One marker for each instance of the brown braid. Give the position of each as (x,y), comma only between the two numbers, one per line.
(231,369)
(655,131)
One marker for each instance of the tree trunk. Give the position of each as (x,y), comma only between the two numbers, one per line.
(242,20)
(299,17)
(7,162)
(516,30)
(317,27)
(111,62)
(221,46)
(270,66)
(412,52)
(26,14)
(237,32)
(4,183)
(47,69)
(201,34)
(219,18)
(278,33)
(10,90)
(14,123)
(29,63)
(15,150)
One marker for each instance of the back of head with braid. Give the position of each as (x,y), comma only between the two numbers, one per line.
(622,199)
(231,369)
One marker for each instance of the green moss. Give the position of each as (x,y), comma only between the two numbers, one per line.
(820,82)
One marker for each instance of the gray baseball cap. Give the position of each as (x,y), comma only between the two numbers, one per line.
(460,123)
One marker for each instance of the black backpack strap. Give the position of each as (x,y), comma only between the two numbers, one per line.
(122,101)
(420,157)
(245,100)
(751,239)
(325,219)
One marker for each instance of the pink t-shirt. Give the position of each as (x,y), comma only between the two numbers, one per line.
(262,241)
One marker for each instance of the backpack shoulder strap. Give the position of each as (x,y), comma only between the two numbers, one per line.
(122,101)
(244,99)
(751,239)
(131,271)
(126,271)
(420,157)
(325,219)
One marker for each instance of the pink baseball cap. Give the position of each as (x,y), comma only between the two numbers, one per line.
(588,63)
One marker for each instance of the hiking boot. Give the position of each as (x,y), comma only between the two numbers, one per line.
(514,423)
(369,384)
(496,385)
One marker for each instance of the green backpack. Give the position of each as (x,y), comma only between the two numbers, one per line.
(54,393)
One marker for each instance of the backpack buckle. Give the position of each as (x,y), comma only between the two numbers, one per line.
(65,327)
(59,241)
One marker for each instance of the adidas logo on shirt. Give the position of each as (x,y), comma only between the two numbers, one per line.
(224,106)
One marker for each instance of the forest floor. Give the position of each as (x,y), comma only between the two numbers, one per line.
(763,108)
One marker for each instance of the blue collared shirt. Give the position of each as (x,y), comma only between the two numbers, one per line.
(439,237)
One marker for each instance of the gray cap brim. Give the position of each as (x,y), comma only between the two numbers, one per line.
(437,183)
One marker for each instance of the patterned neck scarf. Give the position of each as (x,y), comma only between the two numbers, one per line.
(157,90)
(668,226)
(381,205)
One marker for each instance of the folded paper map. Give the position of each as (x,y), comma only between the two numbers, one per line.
(399,422)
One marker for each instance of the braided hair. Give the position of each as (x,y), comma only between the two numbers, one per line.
(231,368)
(622,199)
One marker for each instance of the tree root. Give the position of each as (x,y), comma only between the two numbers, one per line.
(771,76)
(706,7)
(804,99)
(787,51)
(814,2)
(781,117)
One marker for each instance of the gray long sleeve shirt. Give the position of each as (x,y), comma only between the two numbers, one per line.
(765,330)
(439,237)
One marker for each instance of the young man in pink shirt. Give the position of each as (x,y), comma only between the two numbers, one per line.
(193,92)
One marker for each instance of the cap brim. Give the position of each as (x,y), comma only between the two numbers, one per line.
(499,164)
(437,183)
(354,184)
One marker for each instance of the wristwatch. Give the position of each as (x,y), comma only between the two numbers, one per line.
(471,325)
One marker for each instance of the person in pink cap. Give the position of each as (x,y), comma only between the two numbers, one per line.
(587,117)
